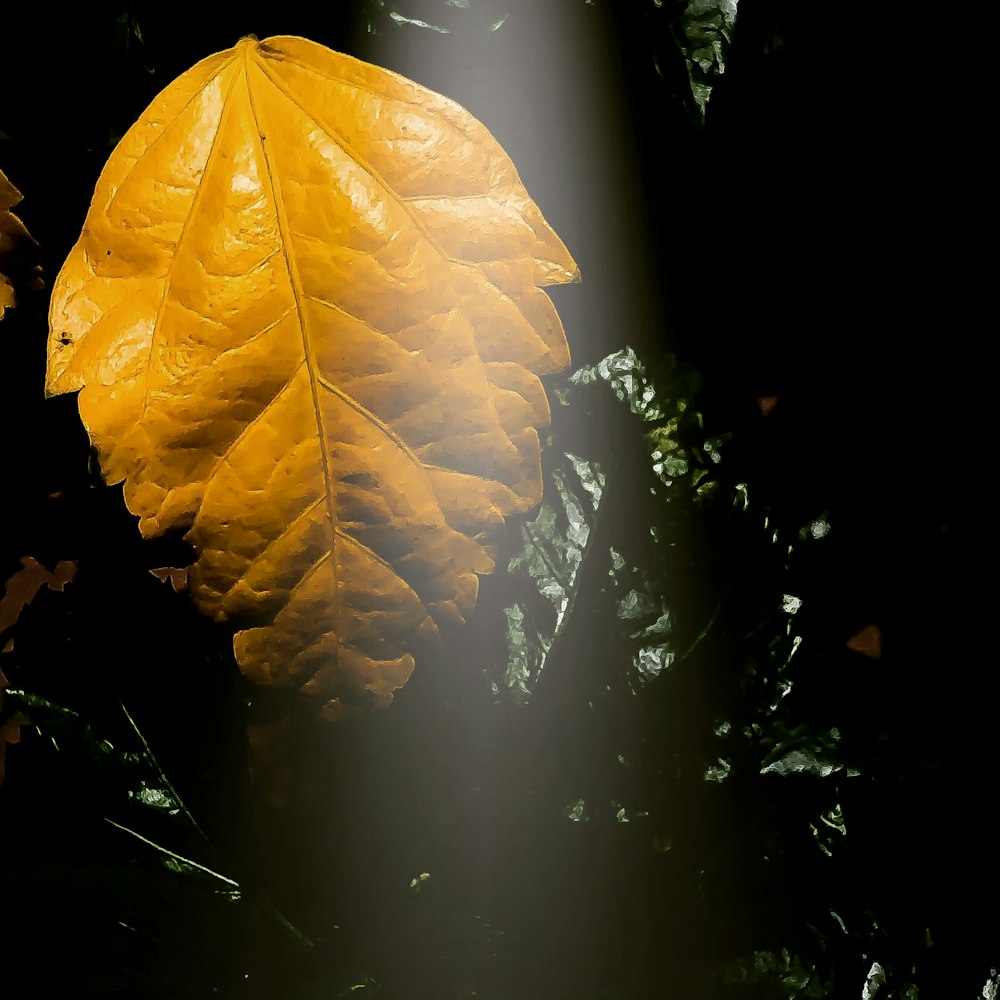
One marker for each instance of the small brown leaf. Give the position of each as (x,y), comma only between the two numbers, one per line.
(27,581)
(867,642)
(10,728)
(15,247)
(178,576)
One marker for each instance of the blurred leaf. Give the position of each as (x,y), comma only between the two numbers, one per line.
(691,43)
(127,30)
(10,726)
(778,976)
(991,990)
(128,930)
(17,248)
(800,762)
(867,642)
(27,581)
(554,546)
(679,449)
(874,982)
(399,19)
(547,570)
(708,30)
(125,776)
(454,20)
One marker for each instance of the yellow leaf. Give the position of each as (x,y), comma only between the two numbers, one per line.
(305,317)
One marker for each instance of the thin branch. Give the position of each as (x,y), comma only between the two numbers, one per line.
(172,854)
(167,784)
(708,626)
(262,900)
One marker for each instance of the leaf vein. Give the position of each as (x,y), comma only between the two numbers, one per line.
(180,240)
(309,355)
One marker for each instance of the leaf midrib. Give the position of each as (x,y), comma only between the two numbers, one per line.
(309,355)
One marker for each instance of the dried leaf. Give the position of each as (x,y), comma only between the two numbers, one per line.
(22,586)
(867,642)
(305,317)
(766,405)
(10,727)
(13,240)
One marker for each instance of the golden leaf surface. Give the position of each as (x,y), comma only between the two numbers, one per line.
(305,318)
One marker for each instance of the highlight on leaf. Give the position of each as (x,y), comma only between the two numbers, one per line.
(306,319)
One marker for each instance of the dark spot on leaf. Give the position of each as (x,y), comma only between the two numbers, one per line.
(363,479)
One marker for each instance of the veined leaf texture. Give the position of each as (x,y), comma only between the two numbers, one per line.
(306,319)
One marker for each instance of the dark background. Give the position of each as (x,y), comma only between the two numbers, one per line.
(818,240)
